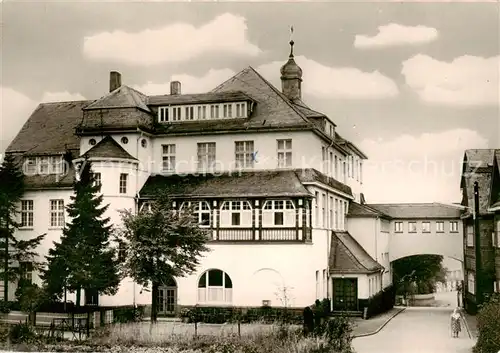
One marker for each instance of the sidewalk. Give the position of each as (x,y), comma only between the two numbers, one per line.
(471,325)
(375,324)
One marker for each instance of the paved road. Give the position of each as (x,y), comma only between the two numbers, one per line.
(416,330)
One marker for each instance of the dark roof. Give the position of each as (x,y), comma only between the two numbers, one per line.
(477,166)
(359,210)
(343,142)
(50,129)
(284,183)
(199,98)
(116,119)
(308,112)
(108,148)
(348,256)
(418,210)
(122,97)
(312,175)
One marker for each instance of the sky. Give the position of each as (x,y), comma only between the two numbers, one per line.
(411,84)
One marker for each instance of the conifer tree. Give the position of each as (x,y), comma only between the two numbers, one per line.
(13,251)
(161,243)
(83,259)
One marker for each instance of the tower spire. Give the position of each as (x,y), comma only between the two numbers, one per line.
(291,42)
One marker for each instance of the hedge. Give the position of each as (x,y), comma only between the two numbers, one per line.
(488,324)
(381,302)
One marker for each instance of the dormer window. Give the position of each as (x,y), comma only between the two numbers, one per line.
(43,165)
(202,112)
(163,114)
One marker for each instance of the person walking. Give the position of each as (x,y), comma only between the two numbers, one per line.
(455,322)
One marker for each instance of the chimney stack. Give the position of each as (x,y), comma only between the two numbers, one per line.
(115,80)
(175,87)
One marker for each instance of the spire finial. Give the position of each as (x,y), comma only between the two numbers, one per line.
(291,41)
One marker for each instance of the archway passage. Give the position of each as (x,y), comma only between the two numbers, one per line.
(428,280)
(167,297)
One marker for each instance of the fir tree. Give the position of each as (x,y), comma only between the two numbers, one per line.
(84,258)
(161,243)
(13,251)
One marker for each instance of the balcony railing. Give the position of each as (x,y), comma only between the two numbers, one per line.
(263,234)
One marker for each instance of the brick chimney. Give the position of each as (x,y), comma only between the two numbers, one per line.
(175,87)
(115,80)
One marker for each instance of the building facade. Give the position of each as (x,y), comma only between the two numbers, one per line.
(275,210)
(481,221)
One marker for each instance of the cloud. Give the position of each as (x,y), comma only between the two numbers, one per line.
(328,82)
(16,108)
(190,84)
(394,34)
(465,81)
(424,168)
(173,43)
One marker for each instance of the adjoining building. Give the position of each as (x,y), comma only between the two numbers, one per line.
(481,222)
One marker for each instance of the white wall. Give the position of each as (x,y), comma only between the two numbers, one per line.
(407,244)
(364,230)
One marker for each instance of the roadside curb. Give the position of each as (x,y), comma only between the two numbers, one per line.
(466,324)
(382,326)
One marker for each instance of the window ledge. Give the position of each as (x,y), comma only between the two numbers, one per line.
(25,228)
(55,228)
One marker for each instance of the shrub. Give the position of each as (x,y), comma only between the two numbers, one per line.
(381,302)
(128,314)
(22,333)
(5,307)
(488,324)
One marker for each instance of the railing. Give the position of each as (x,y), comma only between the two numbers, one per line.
(280,234)
(235,234)
(264,234)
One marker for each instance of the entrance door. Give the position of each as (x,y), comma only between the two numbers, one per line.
(345,294)
(167,300)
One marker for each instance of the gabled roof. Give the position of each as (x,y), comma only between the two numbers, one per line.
(418,210)
(308,112)
(122,97)
(282,183)
(348,256)
(359,210)
(108,148)
(477,167)
(343,142)
(50,129)
(199,98)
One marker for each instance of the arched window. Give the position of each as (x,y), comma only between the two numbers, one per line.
(215,287)
(201,211)
(236,214)
(278,213)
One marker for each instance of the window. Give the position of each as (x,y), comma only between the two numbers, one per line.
(361,171)
(228,110)
(92,142)
(201,210)
(336,173)
(316,208)
(324,210)
(123,183)
(26,269)
(202,112)
(337,223)
(26,213)
(498,235)
(284,153)
(440,227)
(470,236)
(215,286)
(324,284)
(244,154)
(236,213)
(176,113)
(471,283)
(214,112)
(317,285)
(426,227)
(454,227)
(331,209)
(30,166)
(124,140)
(332,166)
(412,227)
(398,227)
(168,158)
(43,165)
(163,114)
(57,213)
(278,213)
(189,113)
(206,156)
(241,110)
(144,143)
(97,179)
